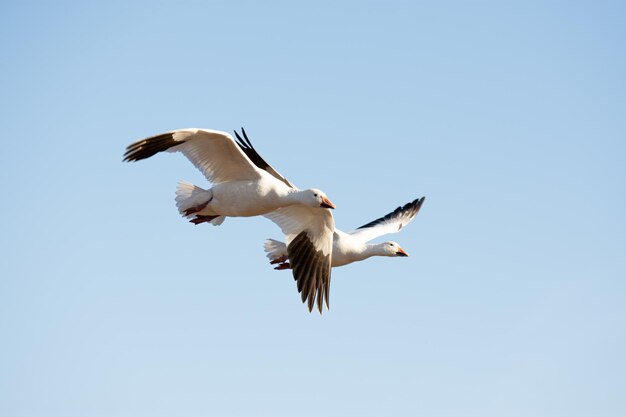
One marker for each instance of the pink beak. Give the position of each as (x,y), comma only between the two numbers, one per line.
(326,203)
(401,252)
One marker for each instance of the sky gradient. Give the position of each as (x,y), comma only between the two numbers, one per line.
(507,116)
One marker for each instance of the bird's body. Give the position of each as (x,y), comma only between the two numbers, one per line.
(262,196)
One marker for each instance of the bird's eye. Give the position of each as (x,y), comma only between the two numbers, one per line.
(314,195)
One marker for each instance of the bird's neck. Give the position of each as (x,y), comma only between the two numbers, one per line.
(375,249)
(294,196)
(371,250)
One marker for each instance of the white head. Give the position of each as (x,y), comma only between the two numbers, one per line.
(316,198)
(390,249)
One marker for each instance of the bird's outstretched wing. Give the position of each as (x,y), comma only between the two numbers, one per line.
(214,153)
(390,223)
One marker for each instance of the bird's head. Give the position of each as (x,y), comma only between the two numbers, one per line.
(317,198)
(392,249)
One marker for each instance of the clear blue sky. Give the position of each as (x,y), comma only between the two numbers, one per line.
(508,116)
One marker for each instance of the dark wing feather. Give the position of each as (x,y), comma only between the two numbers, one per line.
(390,223)
(148,147)
(246,146)
(406,212)
(311,270)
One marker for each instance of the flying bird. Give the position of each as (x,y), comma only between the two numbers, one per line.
(241,188)
(353,246)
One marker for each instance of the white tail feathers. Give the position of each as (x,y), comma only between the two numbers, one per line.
(275,249)
(189,196)
(218,220)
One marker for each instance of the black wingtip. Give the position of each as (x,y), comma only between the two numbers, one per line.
(240,141)
(244,143)
(409,209)
(418,204)
(146,148)
(246,146)
(246,136)
(311,270)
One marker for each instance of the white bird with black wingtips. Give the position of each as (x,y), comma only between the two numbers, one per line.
(241,189)
(353,246)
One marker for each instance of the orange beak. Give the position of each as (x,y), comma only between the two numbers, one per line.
(401,252)
(326,203)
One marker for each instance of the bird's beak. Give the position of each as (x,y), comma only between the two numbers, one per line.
(326,203)
(401,252)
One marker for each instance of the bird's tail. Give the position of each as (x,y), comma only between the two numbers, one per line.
(276,251)
(189,197)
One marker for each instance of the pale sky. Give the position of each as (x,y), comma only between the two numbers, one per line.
(507,116)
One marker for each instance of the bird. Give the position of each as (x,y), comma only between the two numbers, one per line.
(353,246)
(242,189)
